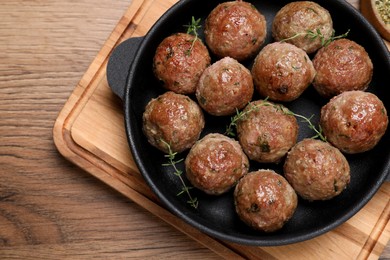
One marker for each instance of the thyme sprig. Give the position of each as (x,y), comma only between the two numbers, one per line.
(241,115)
(172,162)
(317,34)
(319,134)
(192,29)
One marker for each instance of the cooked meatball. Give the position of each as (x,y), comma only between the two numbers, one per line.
(215,164)
(354,121)
(264,200)
(266,131)
(316,170)
(295,20)
(172,119)
(224,87)
(179,61)
(341,66)
(282,71)
(235,29)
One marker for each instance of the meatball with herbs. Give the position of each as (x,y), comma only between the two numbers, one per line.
(354,121)
(224,87)
(215,163)
(179,61)
(264,200)
(316,170)
(282,72)
(303,23)
(235,29)
(342,65)
(172,121)
(266,131)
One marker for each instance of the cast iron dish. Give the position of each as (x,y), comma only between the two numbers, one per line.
(215,215)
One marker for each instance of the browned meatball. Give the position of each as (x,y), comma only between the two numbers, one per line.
(235,29)
(215,164)
(282,71)
(224,87)
(341,66)
(354,121)
(264,200)
(316,170)
(295,20)
(172,119)
(179,61)
(266,132)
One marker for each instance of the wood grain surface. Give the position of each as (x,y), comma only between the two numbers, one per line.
(49,208)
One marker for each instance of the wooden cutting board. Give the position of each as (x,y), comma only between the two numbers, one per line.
(89,131)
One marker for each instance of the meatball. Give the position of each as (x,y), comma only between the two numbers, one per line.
(316,170)
(341,66)
(215,164)
(179,61)
(235,29)
(282,71)
(172,120)
(354,121)
(294,21)
(266,131)
(264,200)
(224,87)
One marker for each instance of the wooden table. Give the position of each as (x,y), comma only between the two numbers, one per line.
(50,208)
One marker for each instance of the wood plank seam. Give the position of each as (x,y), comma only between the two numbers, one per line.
(378,229)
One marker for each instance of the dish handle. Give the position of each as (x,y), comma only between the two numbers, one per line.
(119,64)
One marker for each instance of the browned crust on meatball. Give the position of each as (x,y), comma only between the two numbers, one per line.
(224,87)
(215,164)
(179,61)
(282,72)
(175,119)
(267,132)
(235,29)
(264,200)
(341,66)
(354,121)
(316,170)
(298,18)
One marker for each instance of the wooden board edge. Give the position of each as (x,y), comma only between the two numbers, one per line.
(84,89)
(383,236)
(380,234)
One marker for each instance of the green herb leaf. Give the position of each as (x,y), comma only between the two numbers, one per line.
(172,163)
(192,29)
(318,131)
(312,35)
(242,115)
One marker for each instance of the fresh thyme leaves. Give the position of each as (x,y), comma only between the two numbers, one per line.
(241,115)
(333,37)
(192,29)
(317,34)
(172,162)
(318,131)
